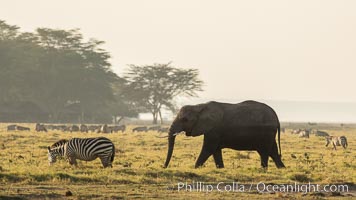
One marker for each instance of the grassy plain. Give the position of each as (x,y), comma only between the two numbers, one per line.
(137,170)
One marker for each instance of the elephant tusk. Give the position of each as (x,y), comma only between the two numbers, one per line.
(169,136)
(178,133)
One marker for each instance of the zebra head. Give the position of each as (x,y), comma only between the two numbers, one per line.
(52,156)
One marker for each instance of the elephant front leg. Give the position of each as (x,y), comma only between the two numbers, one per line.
(210,147)
(205,153)
(218,159)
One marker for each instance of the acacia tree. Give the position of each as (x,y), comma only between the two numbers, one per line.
(64,75)
(72,71)
(154,87)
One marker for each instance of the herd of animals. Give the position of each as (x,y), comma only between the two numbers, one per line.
(248,125)
(86,149)
(86,128)
(334,140)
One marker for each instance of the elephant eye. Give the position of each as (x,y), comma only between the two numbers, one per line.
(184,119)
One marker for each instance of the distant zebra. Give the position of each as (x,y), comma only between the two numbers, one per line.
(336,141)
(86,149)
(105,129)
(296,131)
(304,133)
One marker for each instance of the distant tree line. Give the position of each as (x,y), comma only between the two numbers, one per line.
(56,76)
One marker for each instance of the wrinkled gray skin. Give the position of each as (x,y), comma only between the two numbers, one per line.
(249,125)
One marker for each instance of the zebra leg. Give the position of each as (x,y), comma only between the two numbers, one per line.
(334,145)
(345,143)
(105,160)
(73,161)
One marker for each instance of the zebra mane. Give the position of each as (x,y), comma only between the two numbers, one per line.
(59,143)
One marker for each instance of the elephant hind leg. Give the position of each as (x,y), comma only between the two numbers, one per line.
(275,156)
(218,159)
(264,158)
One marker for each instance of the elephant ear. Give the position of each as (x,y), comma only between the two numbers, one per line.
(209,117)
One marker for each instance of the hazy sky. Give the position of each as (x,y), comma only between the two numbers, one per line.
(274,50)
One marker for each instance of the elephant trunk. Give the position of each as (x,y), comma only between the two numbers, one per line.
(171,139)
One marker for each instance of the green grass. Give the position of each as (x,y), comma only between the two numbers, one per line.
(137,170)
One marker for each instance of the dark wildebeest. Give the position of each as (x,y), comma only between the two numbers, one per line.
(50,127)
(11,127)
(40,128)
(74,128)
(321,133)
(154,128)
(94,128)
(163,130)
(140,129)
(116,129)
(84,128)
(22,128)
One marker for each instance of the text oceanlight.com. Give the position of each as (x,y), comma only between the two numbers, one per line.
(260,187)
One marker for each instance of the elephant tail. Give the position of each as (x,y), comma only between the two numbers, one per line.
(279,140)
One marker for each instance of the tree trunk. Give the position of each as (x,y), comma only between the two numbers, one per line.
(154,118)
(160,116)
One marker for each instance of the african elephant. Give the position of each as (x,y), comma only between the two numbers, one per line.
(249,125)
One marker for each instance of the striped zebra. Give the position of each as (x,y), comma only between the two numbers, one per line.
(304,134)
(59,143)
(86,149)
(336,141)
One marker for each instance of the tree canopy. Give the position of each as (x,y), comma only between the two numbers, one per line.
(54,75)
(58,71)
(154,87)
